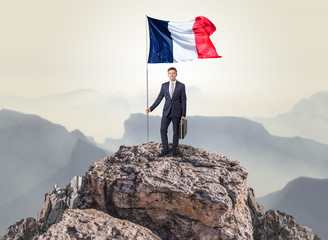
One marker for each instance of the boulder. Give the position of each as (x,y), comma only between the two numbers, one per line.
(275,225)
(59,199)
(93,224)
(25,229)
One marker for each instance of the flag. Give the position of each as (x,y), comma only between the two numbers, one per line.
(180,41)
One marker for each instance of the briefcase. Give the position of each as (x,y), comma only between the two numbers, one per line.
(183,129)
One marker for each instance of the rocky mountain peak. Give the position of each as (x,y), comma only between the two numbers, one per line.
(198,195)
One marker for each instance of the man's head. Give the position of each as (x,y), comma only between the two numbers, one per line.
(172,73)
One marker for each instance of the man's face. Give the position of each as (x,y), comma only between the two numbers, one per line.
(172,75)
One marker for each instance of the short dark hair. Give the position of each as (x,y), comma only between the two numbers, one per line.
(172,68)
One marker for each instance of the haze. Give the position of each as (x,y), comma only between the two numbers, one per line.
(274,54)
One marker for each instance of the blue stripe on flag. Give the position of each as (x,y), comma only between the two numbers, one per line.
(161,45)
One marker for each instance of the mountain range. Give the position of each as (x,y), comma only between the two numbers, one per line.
(308,119)
(305,199)
(76,110)
(35,155)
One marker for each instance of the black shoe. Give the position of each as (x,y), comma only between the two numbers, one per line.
(164,153)
(175,153)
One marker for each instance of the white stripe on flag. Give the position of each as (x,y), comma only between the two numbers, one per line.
(184,45)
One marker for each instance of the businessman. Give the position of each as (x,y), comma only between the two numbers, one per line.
(174,110)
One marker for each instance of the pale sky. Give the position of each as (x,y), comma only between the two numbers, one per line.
(273,52)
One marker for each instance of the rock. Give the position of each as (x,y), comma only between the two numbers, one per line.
(200,195)
(275,225)
(282,226)
(58,200)
(55,202)
(24,229)
(93,224)
(257,212)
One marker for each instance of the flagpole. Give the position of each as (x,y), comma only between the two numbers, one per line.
(147,89)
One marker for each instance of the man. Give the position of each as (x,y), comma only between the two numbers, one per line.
(174,110)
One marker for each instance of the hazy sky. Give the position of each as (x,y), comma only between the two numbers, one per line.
(274,52)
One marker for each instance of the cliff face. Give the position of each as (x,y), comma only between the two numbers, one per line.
(198,195)
(276,225)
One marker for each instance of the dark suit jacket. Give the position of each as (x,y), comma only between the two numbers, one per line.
(175,107)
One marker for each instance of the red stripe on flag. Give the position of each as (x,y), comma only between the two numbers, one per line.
(203,29)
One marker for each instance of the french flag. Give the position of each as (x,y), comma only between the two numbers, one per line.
(180,41)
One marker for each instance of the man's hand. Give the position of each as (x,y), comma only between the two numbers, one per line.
(183,118)
(148,110)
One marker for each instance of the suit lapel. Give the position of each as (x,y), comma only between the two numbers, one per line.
(167,90)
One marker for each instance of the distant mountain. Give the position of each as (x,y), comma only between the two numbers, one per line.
(77,109)
(308,119)
(35,154)
(305,199)
(270,160)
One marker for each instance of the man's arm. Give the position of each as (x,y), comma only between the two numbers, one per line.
(157,101)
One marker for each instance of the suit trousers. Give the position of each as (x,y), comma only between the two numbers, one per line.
(164,126)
